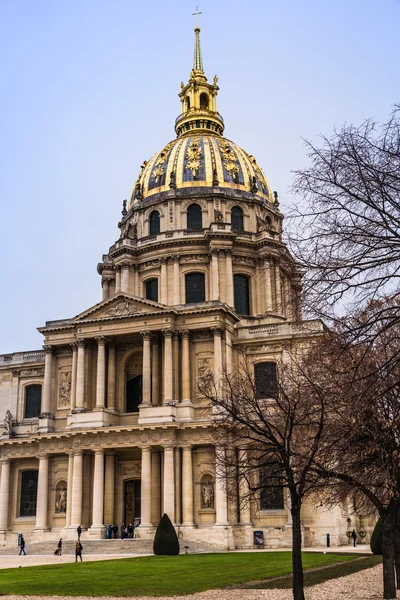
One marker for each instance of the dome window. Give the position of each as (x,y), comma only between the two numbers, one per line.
(204,101)
(195,288)
(241,290)
(237,219)
(152,290)
(194,217)
(187,103)
(154,223)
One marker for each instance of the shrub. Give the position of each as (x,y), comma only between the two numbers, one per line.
(165,540)
(376,538)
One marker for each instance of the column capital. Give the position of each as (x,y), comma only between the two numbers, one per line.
(214,252)
(117,268)
(81,342)
(185,334)
(99,451)
(168,446)
(146,335)
(74,346)
(101,340)
(228,252)
(218,331)
(163,260)
(145,448)
(5,460)
(176,258)
(168,332)
(77,452)
(126,264)
(48,348)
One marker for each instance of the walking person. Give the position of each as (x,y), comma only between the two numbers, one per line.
(78,550)
(59,547)
(79,532)
(22,546)
(354,536)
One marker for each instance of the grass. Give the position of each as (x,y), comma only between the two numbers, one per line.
(157,575)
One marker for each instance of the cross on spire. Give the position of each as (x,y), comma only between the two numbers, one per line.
(197,13)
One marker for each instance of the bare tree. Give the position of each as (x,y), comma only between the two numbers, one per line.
(345,229)
(269,435)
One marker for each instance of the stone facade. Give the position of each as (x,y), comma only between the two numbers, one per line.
(122,432)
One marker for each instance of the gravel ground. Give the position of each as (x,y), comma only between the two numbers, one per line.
(364,585)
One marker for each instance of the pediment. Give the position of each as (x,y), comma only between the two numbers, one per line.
(120,305)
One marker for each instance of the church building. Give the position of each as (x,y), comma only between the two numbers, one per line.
(105,424)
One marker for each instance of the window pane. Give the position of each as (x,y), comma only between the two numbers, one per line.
(271,492)
(237,219)
(33,400)
(154,223)
(241,293)
(194,217)
(152,290)
(29,481)
(265,380)
(195,288)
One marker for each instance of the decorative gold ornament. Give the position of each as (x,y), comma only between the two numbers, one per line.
(162,158)
(193,155)
(230,160)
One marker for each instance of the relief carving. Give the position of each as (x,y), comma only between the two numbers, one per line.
(229,158)
(31,373)
(64,395)
(123,308)
(193,155)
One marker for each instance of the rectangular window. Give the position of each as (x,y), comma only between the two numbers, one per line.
(265,380)
(271,490)
(195,288)
(29,484)
(33,400)
(152,290)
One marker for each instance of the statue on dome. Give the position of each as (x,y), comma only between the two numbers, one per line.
(215,80)
(182,85)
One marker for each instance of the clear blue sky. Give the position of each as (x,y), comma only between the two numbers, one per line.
(89,90)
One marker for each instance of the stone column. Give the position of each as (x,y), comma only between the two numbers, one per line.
(155,373)
(105,286)
(268,286)
(278,291)
(111,377)
(109,490)
(136,291)
(117,279)
(228,351)
(221,505)
(48,371)
(125,269)
(164,281)
(155,487)
(42,494)
(73,375)
(101,371)
(4,493)
(146,487)
(178,487)
(175,354)
(177,283)
(187,487)
(98,490)
(146,382)
(69,489)
(214,275)
(229,278)
(244,500)
(169,482)
(217,332)
(80,375)
(77,490)
(168,365)
(186,388)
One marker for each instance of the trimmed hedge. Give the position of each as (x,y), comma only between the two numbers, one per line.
(165,541)
(376,538)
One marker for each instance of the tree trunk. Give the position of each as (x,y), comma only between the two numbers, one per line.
(298,577)
(388,552)
(397,567)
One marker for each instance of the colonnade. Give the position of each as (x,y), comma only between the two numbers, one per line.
(172,490)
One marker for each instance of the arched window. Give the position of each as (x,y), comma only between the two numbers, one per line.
(152,290)
(154,223)
(237,219)
(241,294)
(204,100)
(271,490)
(187,103)
(265,380)
(29,484)
(33,401)
(195,288)
(194,217)
(134,394)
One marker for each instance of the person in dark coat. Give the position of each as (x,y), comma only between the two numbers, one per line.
(79,532)
(22,546)
(115,532)
(78,550)
(130,531)
(354,536)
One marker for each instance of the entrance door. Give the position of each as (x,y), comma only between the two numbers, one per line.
(132,501)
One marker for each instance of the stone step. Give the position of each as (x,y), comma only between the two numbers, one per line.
(125,547)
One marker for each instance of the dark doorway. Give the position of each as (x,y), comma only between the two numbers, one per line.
(134,394)
(132,501)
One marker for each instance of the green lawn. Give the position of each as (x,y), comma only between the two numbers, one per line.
(155,575)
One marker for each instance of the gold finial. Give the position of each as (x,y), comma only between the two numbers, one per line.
(197,13)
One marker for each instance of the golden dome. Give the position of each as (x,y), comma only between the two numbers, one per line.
(200,160)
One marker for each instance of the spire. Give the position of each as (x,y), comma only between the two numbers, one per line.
(198,61)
